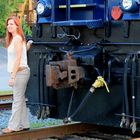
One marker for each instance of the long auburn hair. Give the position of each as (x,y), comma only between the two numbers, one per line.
(9,36)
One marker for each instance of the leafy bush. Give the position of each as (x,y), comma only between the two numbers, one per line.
(6,8)
(26,29)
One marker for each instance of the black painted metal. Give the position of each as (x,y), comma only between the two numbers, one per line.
(107,51)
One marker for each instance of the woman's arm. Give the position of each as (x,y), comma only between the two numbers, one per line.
(29,43)
(18,52)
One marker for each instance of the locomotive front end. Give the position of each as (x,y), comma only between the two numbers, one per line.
(84,62)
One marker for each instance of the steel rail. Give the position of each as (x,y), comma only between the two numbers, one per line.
(57,131)
(6,105)
(61,131)
(6,101)
(6,97)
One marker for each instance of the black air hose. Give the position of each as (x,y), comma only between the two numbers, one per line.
(70,104)
(125,109)
(133,124)
(99,82)
(39,87)
(43,86)
(84,101)
(126,105)
(133,84)
(80,107)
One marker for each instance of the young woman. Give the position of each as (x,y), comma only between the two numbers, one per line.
(19,74)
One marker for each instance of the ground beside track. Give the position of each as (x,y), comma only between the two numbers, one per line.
(4,75)
(34,122)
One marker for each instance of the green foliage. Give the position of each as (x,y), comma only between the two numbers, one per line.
(6,8)
(37,125)
(46,123)
(2,28)
(26,29)
(6,92)
(4,14)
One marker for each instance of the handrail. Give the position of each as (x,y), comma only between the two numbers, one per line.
(23,9)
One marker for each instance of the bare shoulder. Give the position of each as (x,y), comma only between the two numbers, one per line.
(17,38)
(17,41)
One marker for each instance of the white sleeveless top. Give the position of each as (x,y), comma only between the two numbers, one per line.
(12,54)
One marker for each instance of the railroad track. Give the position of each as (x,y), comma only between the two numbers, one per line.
(6,97)
(6,105)
(6,101)
(75,131)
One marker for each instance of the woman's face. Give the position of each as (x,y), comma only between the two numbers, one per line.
(11,26)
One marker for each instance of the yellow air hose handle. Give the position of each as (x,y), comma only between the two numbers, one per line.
(100,82)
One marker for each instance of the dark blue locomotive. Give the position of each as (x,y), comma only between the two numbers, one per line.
(85,63)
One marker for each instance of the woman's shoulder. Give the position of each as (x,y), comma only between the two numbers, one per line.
(17,38)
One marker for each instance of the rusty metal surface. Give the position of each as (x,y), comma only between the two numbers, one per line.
(6,105)
(6,97)
(62,131)
(57,131)
(75,73)
(62,74)
(6,101)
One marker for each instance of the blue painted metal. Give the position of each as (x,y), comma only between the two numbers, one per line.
(88,13)
(133,8)
(131,16)
(68,10)
(92,13)
(131,13)
(47,7)
(89,23)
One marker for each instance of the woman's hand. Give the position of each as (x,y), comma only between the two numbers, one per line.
(11,82)
(29,43)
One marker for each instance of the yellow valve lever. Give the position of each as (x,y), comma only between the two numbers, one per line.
(100,82)
(22,12)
